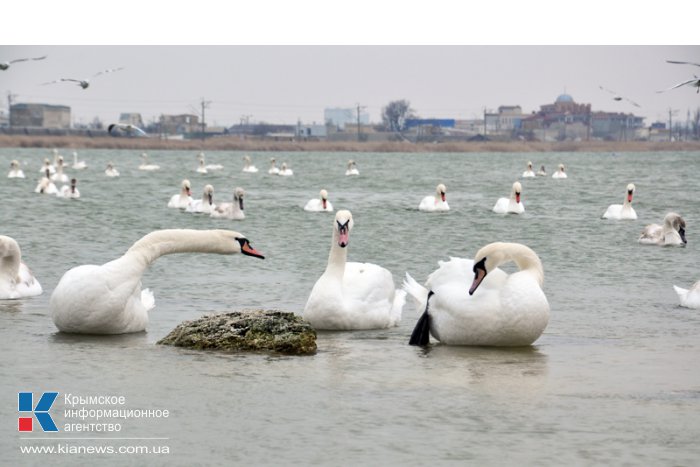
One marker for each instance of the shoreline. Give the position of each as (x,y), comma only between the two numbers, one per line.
(236,144)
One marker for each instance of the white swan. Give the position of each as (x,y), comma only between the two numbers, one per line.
(45,185)
(689,298)
(352,295)
(206,204)
(248,166)
(201,168)
(16,279)
(232,210)
(209,166)
(69,191)
(145,164)
(111,171)
(285,171)
(542,172)
(435,203)
(352,168)
(59,176)
(108,299)
(48,165)
(319,204)
(15,170)
(529,172)
(78,165)
(671,233)
(560,172)
(499,309)
(622,211)
(273,170)
(512,204)
(184,198)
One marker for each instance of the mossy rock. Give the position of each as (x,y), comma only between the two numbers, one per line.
(247,330)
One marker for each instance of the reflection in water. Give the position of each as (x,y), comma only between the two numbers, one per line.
(10,306)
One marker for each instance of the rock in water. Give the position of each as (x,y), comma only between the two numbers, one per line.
(247,330)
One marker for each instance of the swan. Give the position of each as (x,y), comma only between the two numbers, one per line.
(689,298)
(512,204)
(247,166)
(352,168)
(273,170)
(622,211)
(285,171)
(183,199)
(319,205)
(542,172)
(78,165)
(206,204)
(45,185)
(672,232)
(435,203)
(560,173)
(201,168)
(352,295)
(16,279)
(69,191)
(48,165)
(209,166)
(59,176)
(111,171)
(232,210)
(499,309)
(15,170)
(145,165)
(108,299)
(528,173)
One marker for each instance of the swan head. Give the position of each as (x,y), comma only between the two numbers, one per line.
(441,190)
(517,189)
(677,223)
(342,226)
(324,197)
(529,165)
(238,194)
(208,195)
(110,166)
(492,255)
(234,242)
(14,164)
(561,167)
(144,155)
(630,192)
(73,183)
(246,158)
(185,186)
(284,166)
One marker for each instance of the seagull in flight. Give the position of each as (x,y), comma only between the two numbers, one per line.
(6,65)
(617,97)
(115,129)
(682,63)
(85,83)
(690,82)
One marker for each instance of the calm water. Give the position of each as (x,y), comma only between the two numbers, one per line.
(614,379)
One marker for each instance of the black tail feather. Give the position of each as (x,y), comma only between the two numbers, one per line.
(421,333)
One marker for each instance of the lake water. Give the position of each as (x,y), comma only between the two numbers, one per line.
(614,379)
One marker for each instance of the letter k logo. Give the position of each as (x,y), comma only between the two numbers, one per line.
(41,411)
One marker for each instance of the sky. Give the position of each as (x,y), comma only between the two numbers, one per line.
(277,73)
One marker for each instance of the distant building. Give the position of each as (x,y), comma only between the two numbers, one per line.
(312,131)
(504,122)
(431,122)
(131,119)
(40,116)
(179,124)
(339,117)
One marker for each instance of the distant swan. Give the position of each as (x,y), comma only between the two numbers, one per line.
(59,176)
(285,171)
(48,165)
(78,165)
(184,198)
(145,165)
(499,309)
(352,168)
(560,173)
(206,204)
(69,191)
(209,166)
(622,211)
(512,204)
(232,210)
(108,299)
(273,170)
(435,203)
(671,233)
(248,166)
(111,171)
(45,185)
(15,170)
(16,279)
(542,172)
(689,298)
(319,204)
(352,295)
(528,173)
(201,168)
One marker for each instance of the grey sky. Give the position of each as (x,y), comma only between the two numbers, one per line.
(279,84)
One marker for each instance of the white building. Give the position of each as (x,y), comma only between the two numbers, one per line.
(340,116)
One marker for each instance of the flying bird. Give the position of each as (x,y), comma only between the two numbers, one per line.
(690,82)
(84,83)
(617,97)
(117,129)
(682,63)
(6,65)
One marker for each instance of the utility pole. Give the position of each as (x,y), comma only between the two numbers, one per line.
(205,104)
(359,128)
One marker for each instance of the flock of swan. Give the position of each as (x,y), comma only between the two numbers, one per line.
(497,309)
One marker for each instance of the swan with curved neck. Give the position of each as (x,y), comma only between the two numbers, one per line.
(352,168)
(59,176)
(560,173)
(437,202)
(206,204)
(146,165)
(45,185)
(285,171)
(16,279)
(624,210)
(232,210)
(78,165)
(352,295)
(672,233)
(512,204)
(528,172)
(111,171)
(69,191)
(15,170)
(319,205)
(248,165)
(183,199)
(108,299)
(273,170)
(498,309)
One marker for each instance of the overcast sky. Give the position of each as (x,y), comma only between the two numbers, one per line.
(283,83)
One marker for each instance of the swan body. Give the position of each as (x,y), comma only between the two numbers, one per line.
(232,210)
(499,309)
(689,298)
(560,173)
(16,279)
(529,172)
(145,165)
(542,172)
(672,233)
(512,204)
(48,165)
(111,171)
(352,168)
(206,204)
(622,211)
(69,191)
(201,168)
(319,205)
(46,186)
(273,170)
(15,170)
(108,299)
(78,165)
(352,295)
(285,171)
(184,198)
(59,176)
(248,166)
(209,166)
(435,203)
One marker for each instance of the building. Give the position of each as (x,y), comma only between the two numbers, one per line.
(131,119)
(506,121)
(40,116)
(179,124)
(312,131)
(339,117)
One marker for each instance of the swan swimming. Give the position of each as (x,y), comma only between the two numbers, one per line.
(560,173)
(145,164)
(499,309)
(352,168)
(622,211)
(512,204)
(15,170)
(209,166)
(273,170)
(45,185)
(689,298)
(435,203)
(542,172)
(201,168)
(59,176)
(672,233)
(232,210)
(285,171)
(69,191)
(248,166)
(528,173)
(184,198)
(352,295)
(78,165)
(206,204)
(319,204)
(108,299)
(111,171)
(16,279)
(48,166)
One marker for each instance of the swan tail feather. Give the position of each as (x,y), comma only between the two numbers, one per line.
(417,292)
(397,307)
(682,293)
(148,299)
(421,333)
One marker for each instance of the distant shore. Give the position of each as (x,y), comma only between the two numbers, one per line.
(237,144)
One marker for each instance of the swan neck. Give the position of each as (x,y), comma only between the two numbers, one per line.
(526,259)
(166,242)
(337,257)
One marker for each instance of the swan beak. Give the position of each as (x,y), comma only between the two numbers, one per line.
(324,203)
(210,198)
(681,232)
(442,195)
(240,203)
(248,250)
(629,196)
(517,197)
(343,234)
(479,275)
(189,192)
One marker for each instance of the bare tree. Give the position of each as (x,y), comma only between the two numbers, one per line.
(395,113)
